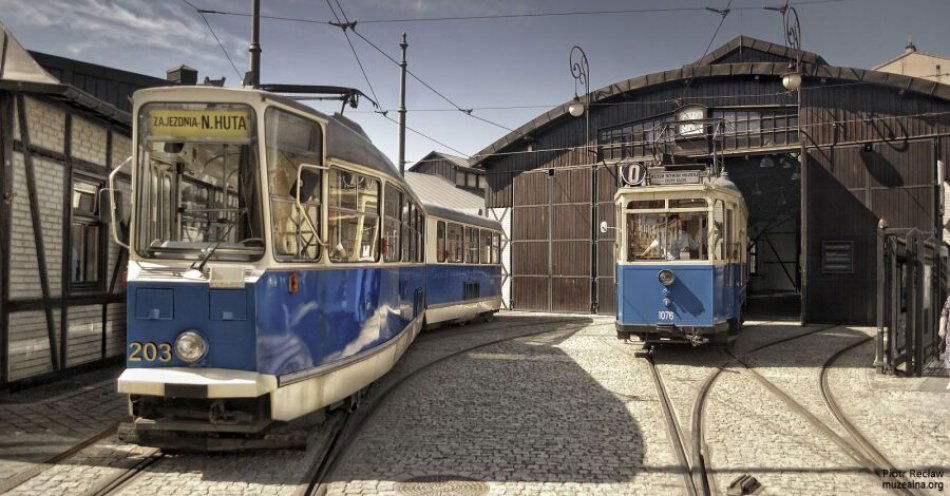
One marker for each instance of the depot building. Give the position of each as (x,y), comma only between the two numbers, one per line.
(818,167)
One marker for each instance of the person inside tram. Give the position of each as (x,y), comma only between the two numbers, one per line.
(673,241)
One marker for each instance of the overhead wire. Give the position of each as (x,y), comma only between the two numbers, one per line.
(660,10)
(215,36)
(466,111)
(782,129)
(426,136)
(353,48)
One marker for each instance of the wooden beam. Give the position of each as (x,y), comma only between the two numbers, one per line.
(66,258)
(37,229)
(6,200)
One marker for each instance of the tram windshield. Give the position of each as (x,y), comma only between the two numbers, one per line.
(666,236)
(197,183)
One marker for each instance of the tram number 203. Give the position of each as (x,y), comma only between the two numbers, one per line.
(665,315)
(150,352)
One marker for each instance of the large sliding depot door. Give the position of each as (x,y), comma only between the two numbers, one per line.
(551,240)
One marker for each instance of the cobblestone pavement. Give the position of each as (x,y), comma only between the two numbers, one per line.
(565,412)
(33,431)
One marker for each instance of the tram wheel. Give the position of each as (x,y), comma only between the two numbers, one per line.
(735,326)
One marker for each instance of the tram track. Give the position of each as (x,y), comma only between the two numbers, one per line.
(25,475)
(858,447)
(317,484)
(342,429)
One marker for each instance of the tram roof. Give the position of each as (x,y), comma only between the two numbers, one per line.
(345,139)
(462,217)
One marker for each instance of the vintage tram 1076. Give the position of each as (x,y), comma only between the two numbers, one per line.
(681,257)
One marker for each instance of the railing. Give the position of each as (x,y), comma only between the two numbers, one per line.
(911,290)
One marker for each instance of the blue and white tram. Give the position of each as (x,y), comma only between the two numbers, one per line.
(463,266)
(681,261)
(276,261)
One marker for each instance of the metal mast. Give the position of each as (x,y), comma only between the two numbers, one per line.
(253,78)
(403,44)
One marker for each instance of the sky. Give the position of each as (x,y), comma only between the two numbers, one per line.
(506,62)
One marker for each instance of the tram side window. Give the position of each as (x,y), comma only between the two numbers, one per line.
(440,250)
(731,252)
(719,230)
(393,222)
(485,251)
(656,236)
(420,235)
(471,245)
(456,245)
(292,141)
(496,249)
(353,217)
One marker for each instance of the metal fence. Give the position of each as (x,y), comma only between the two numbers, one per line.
(911,288)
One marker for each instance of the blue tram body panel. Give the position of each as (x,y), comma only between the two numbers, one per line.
(335,314)
(701,295)
(445,284)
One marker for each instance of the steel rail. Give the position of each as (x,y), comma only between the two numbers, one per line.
(117,482)
(327,453)
(699,448)
(850,449)
(675,434)
(856,435)
(22,476)
(317,485)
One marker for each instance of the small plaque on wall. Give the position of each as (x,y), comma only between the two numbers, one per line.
(837,257)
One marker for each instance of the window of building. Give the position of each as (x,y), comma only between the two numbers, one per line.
(739,129)
(353,218)
(460,178)
(471,245)
(456,244)
(485,246)
(293,149)
(393,223)
(472,181)
(440,251)
(86,236)
(482,183)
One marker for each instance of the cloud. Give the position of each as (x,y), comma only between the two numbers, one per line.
(131,24)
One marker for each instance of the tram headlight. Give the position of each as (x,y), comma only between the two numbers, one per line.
(190,346)
(666,277)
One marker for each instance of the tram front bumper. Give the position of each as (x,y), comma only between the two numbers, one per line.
(670,333)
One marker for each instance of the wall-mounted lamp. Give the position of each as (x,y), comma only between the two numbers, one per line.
(792,81)
(576,109)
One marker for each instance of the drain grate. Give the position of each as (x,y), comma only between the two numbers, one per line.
(441,485)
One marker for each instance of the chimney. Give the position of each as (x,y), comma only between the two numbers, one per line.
(183,75)
(214,82)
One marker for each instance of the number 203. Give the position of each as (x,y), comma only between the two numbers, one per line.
(149,352)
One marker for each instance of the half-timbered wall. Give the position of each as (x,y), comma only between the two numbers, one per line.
(65,325)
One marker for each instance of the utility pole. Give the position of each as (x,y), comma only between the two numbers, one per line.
(253,78)
(403,44)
